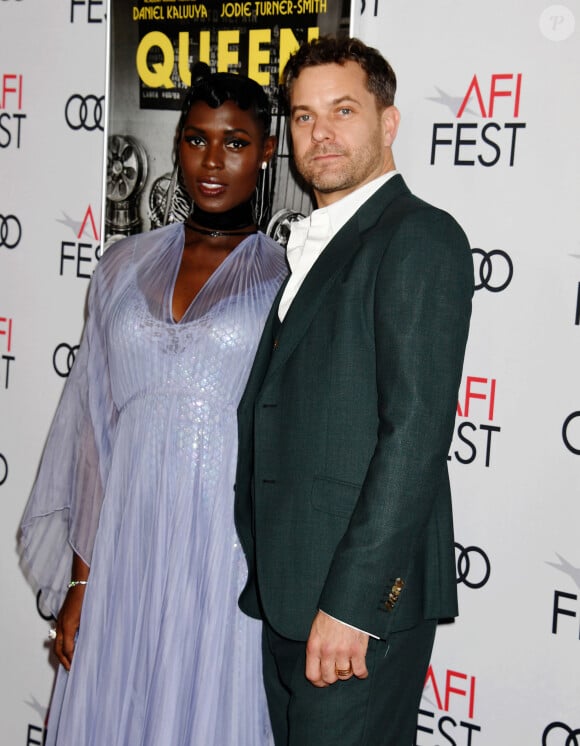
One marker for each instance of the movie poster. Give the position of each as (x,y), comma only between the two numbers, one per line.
(153,45)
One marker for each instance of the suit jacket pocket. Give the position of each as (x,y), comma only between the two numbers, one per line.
(334,496)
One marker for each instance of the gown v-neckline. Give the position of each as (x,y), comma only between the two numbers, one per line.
(202,290)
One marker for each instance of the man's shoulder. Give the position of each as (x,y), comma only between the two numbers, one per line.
(396,195)
(410,229)
(392,199)
(404,206)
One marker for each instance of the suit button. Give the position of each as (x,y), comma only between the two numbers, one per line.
(394,594)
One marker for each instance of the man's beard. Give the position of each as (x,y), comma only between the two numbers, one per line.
(355,167)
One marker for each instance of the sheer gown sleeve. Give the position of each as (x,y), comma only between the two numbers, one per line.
(63,510)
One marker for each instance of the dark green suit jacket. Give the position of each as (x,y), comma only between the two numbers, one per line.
(342,493)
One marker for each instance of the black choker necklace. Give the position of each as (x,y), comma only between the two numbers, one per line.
(217,234)
(238,217)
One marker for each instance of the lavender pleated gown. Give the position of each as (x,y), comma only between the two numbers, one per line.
(137,477)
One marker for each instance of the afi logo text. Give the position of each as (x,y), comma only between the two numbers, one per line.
(565,605)
(87,11)
(447,709)
(493,141)
(6,326)
(79,257)
(11,116)
(474,435)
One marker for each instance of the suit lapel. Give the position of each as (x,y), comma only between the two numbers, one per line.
(321,278)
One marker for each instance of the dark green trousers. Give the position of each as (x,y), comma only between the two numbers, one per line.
(378,711)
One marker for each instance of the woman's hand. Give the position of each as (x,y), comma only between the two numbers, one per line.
(67,625)
(69,617)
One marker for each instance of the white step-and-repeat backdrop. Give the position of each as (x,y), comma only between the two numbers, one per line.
(490,110)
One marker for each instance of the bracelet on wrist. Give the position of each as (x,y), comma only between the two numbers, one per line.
(74,583)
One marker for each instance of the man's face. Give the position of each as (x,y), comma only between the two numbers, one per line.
(341,139)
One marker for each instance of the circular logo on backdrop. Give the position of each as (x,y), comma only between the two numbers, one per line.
(63,358)
(563,735)
(85,112)
(473,566)
(3,469)
(10,231)
(567,433)
(494,269)
(557,23)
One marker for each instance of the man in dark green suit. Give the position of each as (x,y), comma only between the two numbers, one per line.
(342,493)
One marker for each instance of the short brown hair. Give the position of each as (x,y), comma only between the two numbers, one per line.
(381,79)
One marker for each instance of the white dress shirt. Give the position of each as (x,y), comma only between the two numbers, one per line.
(309,236)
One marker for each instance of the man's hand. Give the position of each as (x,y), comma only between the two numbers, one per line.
(334,652)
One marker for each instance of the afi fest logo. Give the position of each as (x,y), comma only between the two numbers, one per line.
(375,9)
(566,605)
(11,114)
(490,142)
(447,709)
(36,735)
(6,358)
(78,258)
(475,427)
(87,11)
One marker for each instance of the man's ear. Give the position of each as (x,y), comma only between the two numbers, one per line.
(390,118)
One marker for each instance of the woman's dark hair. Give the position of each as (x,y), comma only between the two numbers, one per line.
(215,89)
(381,79)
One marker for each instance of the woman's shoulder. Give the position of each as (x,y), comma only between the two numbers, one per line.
(270,244)
(271,256)
(128,248)
(123,255)
(271,248)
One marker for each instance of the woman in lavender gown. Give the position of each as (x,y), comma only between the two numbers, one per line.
(135,488)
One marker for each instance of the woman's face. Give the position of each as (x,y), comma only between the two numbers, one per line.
(221,153)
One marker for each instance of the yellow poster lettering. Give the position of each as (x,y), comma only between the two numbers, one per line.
(148,14)
(204,49)
(235,10)
(273,7)
(289,44)
(226,55)
(311,6)
(258,56)
(160,75)
(185,12)
(183,61)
